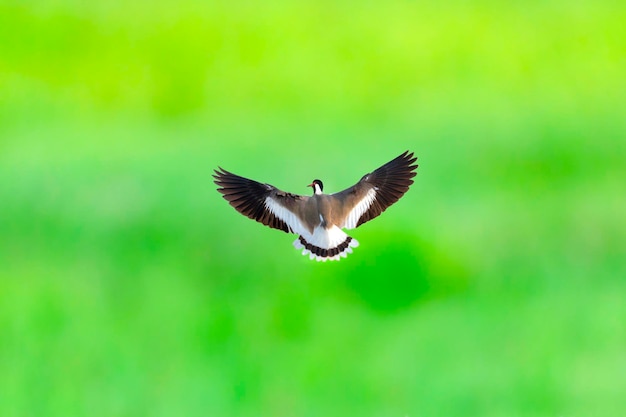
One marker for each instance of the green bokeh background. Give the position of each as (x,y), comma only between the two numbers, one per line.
(495,287)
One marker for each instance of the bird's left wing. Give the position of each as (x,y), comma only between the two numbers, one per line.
(261,202)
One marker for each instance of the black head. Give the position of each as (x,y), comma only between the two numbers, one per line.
(317,183)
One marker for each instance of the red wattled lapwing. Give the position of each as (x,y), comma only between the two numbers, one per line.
(318,219)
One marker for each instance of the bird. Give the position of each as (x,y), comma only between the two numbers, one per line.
(318,219)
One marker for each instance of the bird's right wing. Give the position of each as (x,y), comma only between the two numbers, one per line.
(376,191)
(261,202)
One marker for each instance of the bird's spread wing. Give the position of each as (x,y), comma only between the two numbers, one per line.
(377,191)
(261,202)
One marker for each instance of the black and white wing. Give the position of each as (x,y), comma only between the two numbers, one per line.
(376,191)
(261,202)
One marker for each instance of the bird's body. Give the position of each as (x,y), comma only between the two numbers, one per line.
(320,218)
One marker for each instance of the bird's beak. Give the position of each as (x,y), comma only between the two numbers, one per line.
(310,185)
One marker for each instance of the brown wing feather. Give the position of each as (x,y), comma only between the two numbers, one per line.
(389,183)
(248,198)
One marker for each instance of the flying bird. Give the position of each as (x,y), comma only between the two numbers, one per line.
(318,220)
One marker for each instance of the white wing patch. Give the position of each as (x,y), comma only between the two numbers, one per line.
(293,222)
(362,206)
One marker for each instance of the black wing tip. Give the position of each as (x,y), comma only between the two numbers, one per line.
(223,177)
(405,162)
(409,157)
(220,172)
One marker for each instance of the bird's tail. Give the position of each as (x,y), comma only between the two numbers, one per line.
(326,244)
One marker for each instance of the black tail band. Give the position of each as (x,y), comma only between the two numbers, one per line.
(326,253)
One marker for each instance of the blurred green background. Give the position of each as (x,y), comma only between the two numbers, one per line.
(129,287)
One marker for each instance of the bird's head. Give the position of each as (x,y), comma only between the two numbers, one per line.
(317,186)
